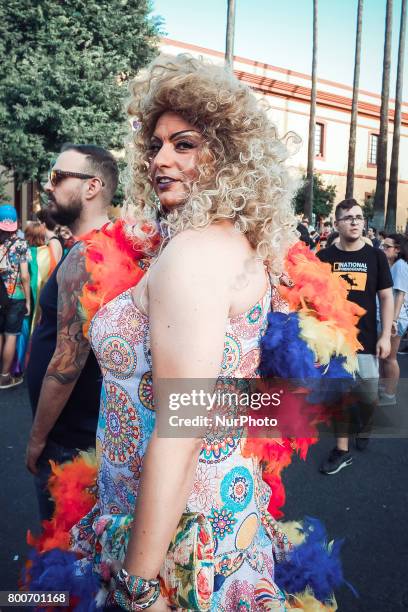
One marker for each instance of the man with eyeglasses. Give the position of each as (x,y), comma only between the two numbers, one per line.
(366,271)
(64,380)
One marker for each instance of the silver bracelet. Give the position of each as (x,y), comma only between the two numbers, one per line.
(131,589)
(127,602)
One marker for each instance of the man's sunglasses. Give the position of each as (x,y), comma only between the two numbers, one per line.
(56,176)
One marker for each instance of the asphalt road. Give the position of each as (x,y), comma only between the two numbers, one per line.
(366,504)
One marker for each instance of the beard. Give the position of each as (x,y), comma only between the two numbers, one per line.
(67,214)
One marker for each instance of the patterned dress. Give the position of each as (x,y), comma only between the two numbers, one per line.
(228,487)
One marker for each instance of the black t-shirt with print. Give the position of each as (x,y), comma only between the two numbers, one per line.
(366,271)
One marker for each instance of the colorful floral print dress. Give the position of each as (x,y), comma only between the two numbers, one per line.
(228,487)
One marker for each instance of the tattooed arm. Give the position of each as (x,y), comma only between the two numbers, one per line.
(69,358)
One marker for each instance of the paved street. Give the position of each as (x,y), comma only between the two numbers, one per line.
(366,504)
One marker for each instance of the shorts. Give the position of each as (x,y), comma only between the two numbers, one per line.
(367,378)
(358,416)
(12,317)
(402,326)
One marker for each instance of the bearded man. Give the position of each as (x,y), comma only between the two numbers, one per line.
(64,380)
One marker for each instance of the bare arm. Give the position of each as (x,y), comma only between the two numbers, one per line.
(69,358)
(387,312)
(188,307)
(398,302)
(25,281)
(56,249)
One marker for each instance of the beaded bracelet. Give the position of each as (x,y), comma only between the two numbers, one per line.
(130,591)
(127,602)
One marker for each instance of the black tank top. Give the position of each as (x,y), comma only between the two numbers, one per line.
(76,425)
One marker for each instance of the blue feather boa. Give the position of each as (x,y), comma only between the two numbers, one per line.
(312,564)
(57,570)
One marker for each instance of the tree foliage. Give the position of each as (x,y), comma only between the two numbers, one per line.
(4,196)
(64,71)
(323,197)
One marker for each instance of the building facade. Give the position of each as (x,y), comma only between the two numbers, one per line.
(288,94)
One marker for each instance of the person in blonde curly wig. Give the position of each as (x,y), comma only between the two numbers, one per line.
(205,151)
(240,173)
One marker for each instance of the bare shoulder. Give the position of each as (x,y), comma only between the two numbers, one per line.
(200,252)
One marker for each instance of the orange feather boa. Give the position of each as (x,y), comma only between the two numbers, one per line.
(115,260)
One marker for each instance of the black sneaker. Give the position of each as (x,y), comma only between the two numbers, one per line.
(336,461)
(362,443)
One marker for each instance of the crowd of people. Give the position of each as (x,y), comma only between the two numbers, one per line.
(182,289)
(27,260)
(327,234)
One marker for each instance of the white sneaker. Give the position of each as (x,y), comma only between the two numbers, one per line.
(387,399)
(7,381)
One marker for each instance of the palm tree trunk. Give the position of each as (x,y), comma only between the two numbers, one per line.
(354,104)
(312,121)
(379,198)
(391,218)
(229,38)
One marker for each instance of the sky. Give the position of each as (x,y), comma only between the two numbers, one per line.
(279,32)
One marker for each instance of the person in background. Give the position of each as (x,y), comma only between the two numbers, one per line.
(382,236)
(372,235)
(395,247)
(51,236)
(327,229)
(40,265)
(303,233)
(366,272)
(66,237)
(303,229)
(15,280)
(35,234)
(44,257)
(332,239)
(315,239)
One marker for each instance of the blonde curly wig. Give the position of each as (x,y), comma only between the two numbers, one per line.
(241,171)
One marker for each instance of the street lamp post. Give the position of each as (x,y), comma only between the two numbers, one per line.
(229,39)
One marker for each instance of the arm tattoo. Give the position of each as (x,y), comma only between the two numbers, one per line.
(72,347)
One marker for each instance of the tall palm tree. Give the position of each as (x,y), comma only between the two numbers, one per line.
(391,217)
(229,38)
(379,198)
(308,209)
(354,104)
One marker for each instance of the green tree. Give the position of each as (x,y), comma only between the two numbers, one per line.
(65,66)
(323,197)
(4,196)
